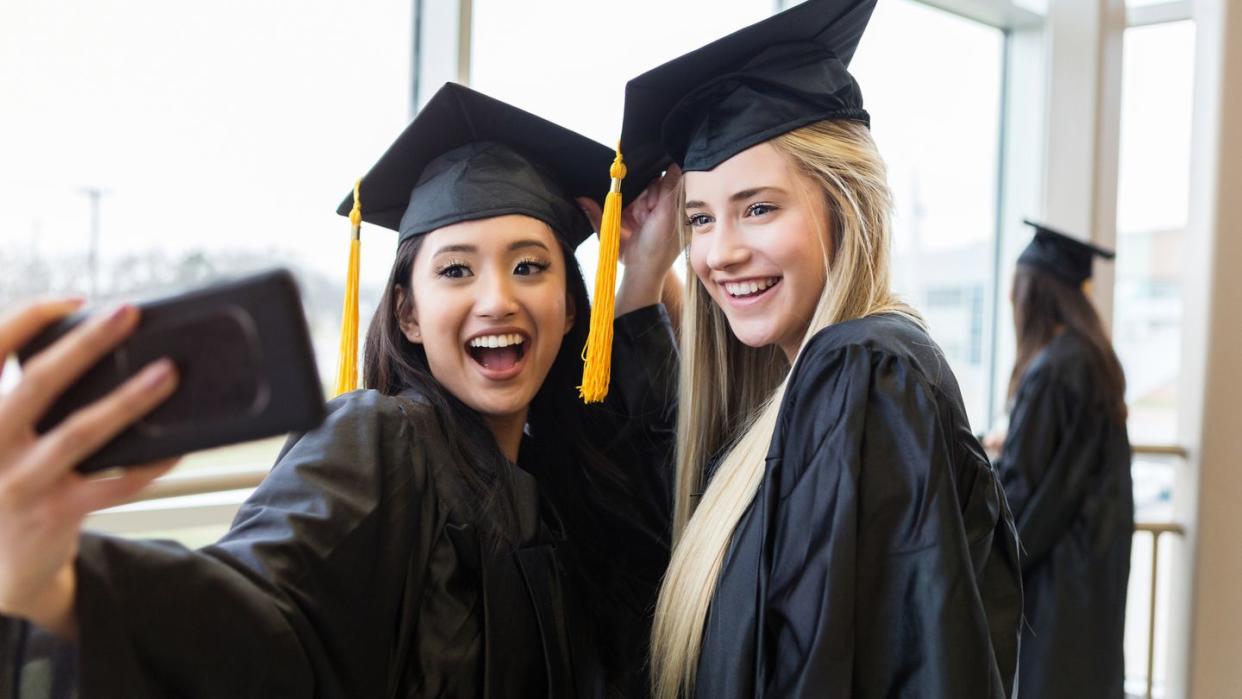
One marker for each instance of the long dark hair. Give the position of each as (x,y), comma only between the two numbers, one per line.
(1044,305)
(392,364)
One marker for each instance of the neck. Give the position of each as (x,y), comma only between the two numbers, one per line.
(507,429)
(791,350)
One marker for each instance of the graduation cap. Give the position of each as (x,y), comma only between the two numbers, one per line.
(464,157)
(1058,254)
(757,83)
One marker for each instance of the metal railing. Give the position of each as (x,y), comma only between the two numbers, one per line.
(179,484)
(194,483)
(1156,529)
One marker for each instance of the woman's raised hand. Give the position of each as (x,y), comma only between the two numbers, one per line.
(43,500)
(649,243)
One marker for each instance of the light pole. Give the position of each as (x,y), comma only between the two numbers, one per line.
(95,194)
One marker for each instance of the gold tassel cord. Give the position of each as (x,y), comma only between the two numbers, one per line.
(347,368)
(597,355)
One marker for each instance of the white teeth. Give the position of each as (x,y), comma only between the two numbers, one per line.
(749,288)
(494,341)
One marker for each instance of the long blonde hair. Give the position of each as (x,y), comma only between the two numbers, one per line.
(728,389)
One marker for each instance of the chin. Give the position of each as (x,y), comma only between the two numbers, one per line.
(499,405)
(757,338)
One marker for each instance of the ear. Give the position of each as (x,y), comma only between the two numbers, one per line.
(407,316)
(571,312)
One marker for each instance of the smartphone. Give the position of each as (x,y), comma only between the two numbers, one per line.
(245,364)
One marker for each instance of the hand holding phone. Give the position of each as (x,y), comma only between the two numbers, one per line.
(42,499)
(243,354)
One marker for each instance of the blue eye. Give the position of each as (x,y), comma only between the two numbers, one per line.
(530,266)
(760,209)
(698,220)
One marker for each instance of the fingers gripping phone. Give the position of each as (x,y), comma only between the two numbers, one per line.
(245,364)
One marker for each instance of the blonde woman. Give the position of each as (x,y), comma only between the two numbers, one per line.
(838,530)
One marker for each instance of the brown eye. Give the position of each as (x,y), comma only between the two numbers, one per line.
(455,270)
(529,267)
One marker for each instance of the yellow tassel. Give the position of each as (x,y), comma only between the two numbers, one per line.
(598,352)
(347,368)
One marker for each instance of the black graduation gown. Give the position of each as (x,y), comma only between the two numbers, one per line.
(878,558)
(357,569)
(1066,470)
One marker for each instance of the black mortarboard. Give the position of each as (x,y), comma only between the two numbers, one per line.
(1061,255)
(770,78)
(467,156)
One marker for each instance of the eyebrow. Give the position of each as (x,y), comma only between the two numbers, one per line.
(744,194)
(531,243)
(516,245)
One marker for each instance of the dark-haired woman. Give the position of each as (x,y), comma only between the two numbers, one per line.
(1065,465)
(463,528)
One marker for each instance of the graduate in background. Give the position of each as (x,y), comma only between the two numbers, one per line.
(1065,465)
(465,527)
(839,531)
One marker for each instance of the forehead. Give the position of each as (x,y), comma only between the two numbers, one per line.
(494,234)
(757,166)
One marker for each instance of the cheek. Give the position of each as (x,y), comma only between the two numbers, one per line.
(699,246)
(440,321)
(549,308)
(797,249)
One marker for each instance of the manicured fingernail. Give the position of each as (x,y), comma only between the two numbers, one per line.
(158,373)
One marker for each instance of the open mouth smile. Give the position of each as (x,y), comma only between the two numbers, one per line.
(498,355)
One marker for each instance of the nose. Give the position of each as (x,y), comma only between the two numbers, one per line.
(495,299)
(727,247)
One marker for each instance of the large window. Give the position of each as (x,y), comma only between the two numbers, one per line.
(148,146)
(932,82)
(1152,213)
(574,70)
(1151,218)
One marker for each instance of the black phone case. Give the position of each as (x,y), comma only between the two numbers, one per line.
(245,363)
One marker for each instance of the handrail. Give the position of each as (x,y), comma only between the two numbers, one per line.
(198,483)
(193,483)
(1160,450)
(1158,528)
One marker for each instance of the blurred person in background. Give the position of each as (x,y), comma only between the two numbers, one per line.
(1065,465)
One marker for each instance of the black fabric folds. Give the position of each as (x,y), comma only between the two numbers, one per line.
(1066,471)
(879,558)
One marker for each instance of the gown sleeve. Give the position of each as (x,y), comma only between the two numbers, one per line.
(871,589)
(299,598)
(1047,461)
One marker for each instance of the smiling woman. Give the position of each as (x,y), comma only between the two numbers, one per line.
(463,527)
(838,530)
